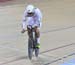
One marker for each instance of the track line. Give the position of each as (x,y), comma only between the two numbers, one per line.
(57,48)
(56,60)
(59,29)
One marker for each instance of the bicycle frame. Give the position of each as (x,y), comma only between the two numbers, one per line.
(32,41)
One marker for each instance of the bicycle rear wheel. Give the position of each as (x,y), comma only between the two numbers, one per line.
(36,52)
(36,48)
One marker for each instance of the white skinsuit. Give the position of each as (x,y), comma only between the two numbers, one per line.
(34,20)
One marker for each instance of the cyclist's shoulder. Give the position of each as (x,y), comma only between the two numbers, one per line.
(37,9)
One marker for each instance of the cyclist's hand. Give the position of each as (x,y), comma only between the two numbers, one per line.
(23,31)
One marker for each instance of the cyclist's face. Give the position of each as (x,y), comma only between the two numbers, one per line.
(31,14)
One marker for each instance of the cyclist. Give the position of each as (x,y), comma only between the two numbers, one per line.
(32,16)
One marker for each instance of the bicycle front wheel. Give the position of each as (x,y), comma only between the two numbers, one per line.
(30,49)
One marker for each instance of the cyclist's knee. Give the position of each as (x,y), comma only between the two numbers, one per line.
(37,32)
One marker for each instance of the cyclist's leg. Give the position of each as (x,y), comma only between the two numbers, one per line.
(29,32)
(37,31)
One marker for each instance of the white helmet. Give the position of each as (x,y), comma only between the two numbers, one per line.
(30,8)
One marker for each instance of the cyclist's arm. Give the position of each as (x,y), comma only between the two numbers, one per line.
(39,16)
(24,21)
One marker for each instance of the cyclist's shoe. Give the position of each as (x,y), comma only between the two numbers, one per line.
(38,46)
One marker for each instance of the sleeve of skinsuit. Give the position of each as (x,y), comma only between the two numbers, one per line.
(24,20)
(39,16)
